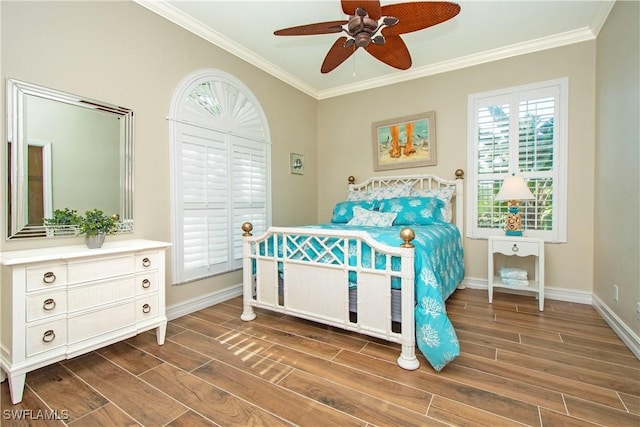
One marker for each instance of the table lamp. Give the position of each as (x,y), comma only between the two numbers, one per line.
(514,189)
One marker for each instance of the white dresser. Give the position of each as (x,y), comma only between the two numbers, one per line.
(61,302)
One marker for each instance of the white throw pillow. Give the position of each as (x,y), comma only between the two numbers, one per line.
(445,194)
(371,218)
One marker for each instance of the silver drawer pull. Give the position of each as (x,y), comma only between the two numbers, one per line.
(49,304)
(49,336)
(146,283)
(146,262)
(49,277)
(146,308)
(515,248)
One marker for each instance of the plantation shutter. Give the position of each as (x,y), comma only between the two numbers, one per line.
(249,178)
(522,131)
(221,170)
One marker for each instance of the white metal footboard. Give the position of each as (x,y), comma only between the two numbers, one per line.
(313,269)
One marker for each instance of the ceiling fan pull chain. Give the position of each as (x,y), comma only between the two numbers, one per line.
(354,65)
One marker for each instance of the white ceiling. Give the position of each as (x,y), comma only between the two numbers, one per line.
(483,31)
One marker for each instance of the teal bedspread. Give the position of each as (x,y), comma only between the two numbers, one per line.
(439,268)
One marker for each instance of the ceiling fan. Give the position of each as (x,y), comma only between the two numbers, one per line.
(377,29)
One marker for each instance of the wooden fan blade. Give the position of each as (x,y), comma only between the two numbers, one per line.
(418,15)
(371,6)
(394,52)
(337,55)
(311,29)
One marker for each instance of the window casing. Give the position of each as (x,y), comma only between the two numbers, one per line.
(521,130)
(220,174)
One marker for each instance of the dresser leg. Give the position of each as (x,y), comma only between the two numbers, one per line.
(16,387)
(161,332)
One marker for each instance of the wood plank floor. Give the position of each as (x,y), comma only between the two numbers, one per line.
(561,367)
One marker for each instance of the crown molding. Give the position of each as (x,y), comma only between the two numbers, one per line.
(531,46)
(187,22)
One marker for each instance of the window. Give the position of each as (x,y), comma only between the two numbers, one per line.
(220,173)
(521,130)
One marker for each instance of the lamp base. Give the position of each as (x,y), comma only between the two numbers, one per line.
(513,232)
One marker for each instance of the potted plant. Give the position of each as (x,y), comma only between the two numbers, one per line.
(64,222)
(95,225)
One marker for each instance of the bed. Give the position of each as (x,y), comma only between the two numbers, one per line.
(384,266)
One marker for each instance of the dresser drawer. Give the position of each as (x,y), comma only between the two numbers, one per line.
(146,282)
(46,304)
(516,248)
(100,269)
(46,336)
(46,276)
(86,296)
(147,261)
(98,322)
(147,307)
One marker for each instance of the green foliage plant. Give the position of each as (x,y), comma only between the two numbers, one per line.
(97,222)
(64,216)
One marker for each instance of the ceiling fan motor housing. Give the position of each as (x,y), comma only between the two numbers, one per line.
(361,28)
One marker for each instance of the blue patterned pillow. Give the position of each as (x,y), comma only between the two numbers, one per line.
(343,211)
(366,217)
(414,210)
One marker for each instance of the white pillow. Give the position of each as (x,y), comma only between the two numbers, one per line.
(380,193)
(445,194)
(369,218)
(390,192)
(356,196)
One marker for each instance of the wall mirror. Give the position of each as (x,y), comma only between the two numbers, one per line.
(65,151)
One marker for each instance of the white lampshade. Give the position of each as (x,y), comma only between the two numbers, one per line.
(514,188)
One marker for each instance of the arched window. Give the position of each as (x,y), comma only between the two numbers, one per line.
(220,173)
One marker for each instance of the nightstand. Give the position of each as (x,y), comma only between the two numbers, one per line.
(521,247)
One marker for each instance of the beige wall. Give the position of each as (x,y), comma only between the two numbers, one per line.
(345,147)
(617,190)
(121,53)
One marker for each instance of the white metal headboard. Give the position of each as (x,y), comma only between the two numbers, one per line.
(421,182)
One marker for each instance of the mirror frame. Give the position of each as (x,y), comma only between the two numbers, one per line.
(17,158)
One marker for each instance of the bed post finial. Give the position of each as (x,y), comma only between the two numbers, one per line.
(247,227)
(459,174)
(351,179)
(407,234)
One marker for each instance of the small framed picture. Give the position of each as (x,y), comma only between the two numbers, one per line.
(296,163)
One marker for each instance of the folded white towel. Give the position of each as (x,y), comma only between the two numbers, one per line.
(514,282)
(512,273)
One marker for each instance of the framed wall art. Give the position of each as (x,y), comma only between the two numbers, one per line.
(405,142)
(296,162)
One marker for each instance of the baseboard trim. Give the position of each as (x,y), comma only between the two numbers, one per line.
(625,333)
(187,307)
(559,294)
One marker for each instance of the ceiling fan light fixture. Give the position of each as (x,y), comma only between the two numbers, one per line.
(378,40)
(363,39)
(389,21)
